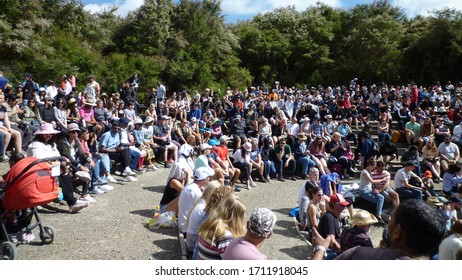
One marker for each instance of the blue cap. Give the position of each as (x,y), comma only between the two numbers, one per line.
(124,120)
(214,142)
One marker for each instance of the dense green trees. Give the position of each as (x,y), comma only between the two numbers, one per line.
(188,44)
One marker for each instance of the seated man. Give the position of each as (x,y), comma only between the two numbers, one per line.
(449,152)
(357,235)
(402,185)
(284,159)
(412,130)
(111,145)
(162,139)
(259,228)
(225,162)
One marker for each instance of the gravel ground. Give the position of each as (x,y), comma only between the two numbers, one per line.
(115,228)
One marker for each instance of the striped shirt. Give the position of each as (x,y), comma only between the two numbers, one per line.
(208,251)
(381,176)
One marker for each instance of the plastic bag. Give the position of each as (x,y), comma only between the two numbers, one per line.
(164,220)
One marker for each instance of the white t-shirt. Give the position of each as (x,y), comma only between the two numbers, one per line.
(449,247)
(401,176)
(40,150)
(188,197)
(364,184)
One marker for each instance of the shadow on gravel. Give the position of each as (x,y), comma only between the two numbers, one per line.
(170,250)
(48,209)
(297,252)
(144,213)
(284,211)
(157,189)
(287,230)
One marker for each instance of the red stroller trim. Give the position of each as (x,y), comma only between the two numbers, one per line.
(29,183)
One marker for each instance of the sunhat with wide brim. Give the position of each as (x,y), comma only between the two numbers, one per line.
(46,128)
(363,218)
(90,102)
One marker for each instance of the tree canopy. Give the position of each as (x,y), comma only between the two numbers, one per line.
(188,44)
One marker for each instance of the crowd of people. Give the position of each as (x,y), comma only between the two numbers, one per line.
(213,145)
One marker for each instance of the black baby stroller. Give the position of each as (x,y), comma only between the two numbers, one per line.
(28,184)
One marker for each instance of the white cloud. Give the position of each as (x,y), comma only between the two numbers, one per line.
(424,7)
(253,7)
(124,7)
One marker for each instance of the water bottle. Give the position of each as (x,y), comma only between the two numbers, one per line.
(153,220)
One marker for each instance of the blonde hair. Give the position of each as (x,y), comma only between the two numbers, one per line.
(210,188)
(228,216)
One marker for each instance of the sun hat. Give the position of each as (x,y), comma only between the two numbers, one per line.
(338,198)
(193,119)
(71,101)
(148,119)
(363,218)
(46,128)
(428,174)
(433,200)
(49,98)
(164,117)
(203,172)
(139,121)
(73,127)
(247,146)
(261,222)
(90,102)
(302,136)
(205,146)
(186,150)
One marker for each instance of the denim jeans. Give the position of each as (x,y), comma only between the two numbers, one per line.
(270,168)
(378,199)
(135,157)
(280,165)
(405,193)
(306,163)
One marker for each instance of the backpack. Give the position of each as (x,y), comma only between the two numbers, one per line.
(375,149)
(395,136)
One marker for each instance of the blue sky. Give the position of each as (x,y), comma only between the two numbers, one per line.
(235,10)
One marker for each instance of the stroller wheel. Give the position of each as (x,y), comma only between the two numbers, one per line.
(47,235)
(8,250)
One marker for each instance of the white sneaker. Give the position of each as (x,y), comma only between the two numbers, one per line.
(111,179)
(152,167)
(130,179)
(249,187)
(253,184)
(97,190)
(88,199)
(106,188)
(118,173)
(79,205)
(128,172)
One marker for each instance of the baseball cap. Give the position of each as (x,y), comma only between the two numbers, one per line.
(164,117)
(338,198)
(224,138)
(123,121)
(428,174)
(261,222)
(454,199)
(214,142)
(203,172)
(205,146)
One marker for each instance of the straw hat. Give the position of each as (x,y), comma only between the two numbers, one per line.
(433,200)
(90,102)
(301,136)
(363,218)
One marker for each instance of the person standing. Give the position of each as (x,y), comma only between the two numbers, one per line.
(161,92)
(3,82)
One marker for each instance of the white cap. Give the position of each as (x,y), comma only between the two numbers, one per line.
(203,172)
(193,119)
(224,138)
(205,146)
(247,146)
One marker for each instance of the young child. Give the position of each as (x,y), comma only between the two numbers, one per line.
(428,184)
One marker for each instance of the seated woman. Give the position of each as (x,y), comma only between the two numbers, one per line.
(242,161)
(367,192)
(313,209)
(102,169)
(7,132)
(180,175)
(223,225)
(319,155)
(431,159)
(31,116)
(338,149)
(69,147)
(384,130)
(60,115)
(44,146)
(72,111)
